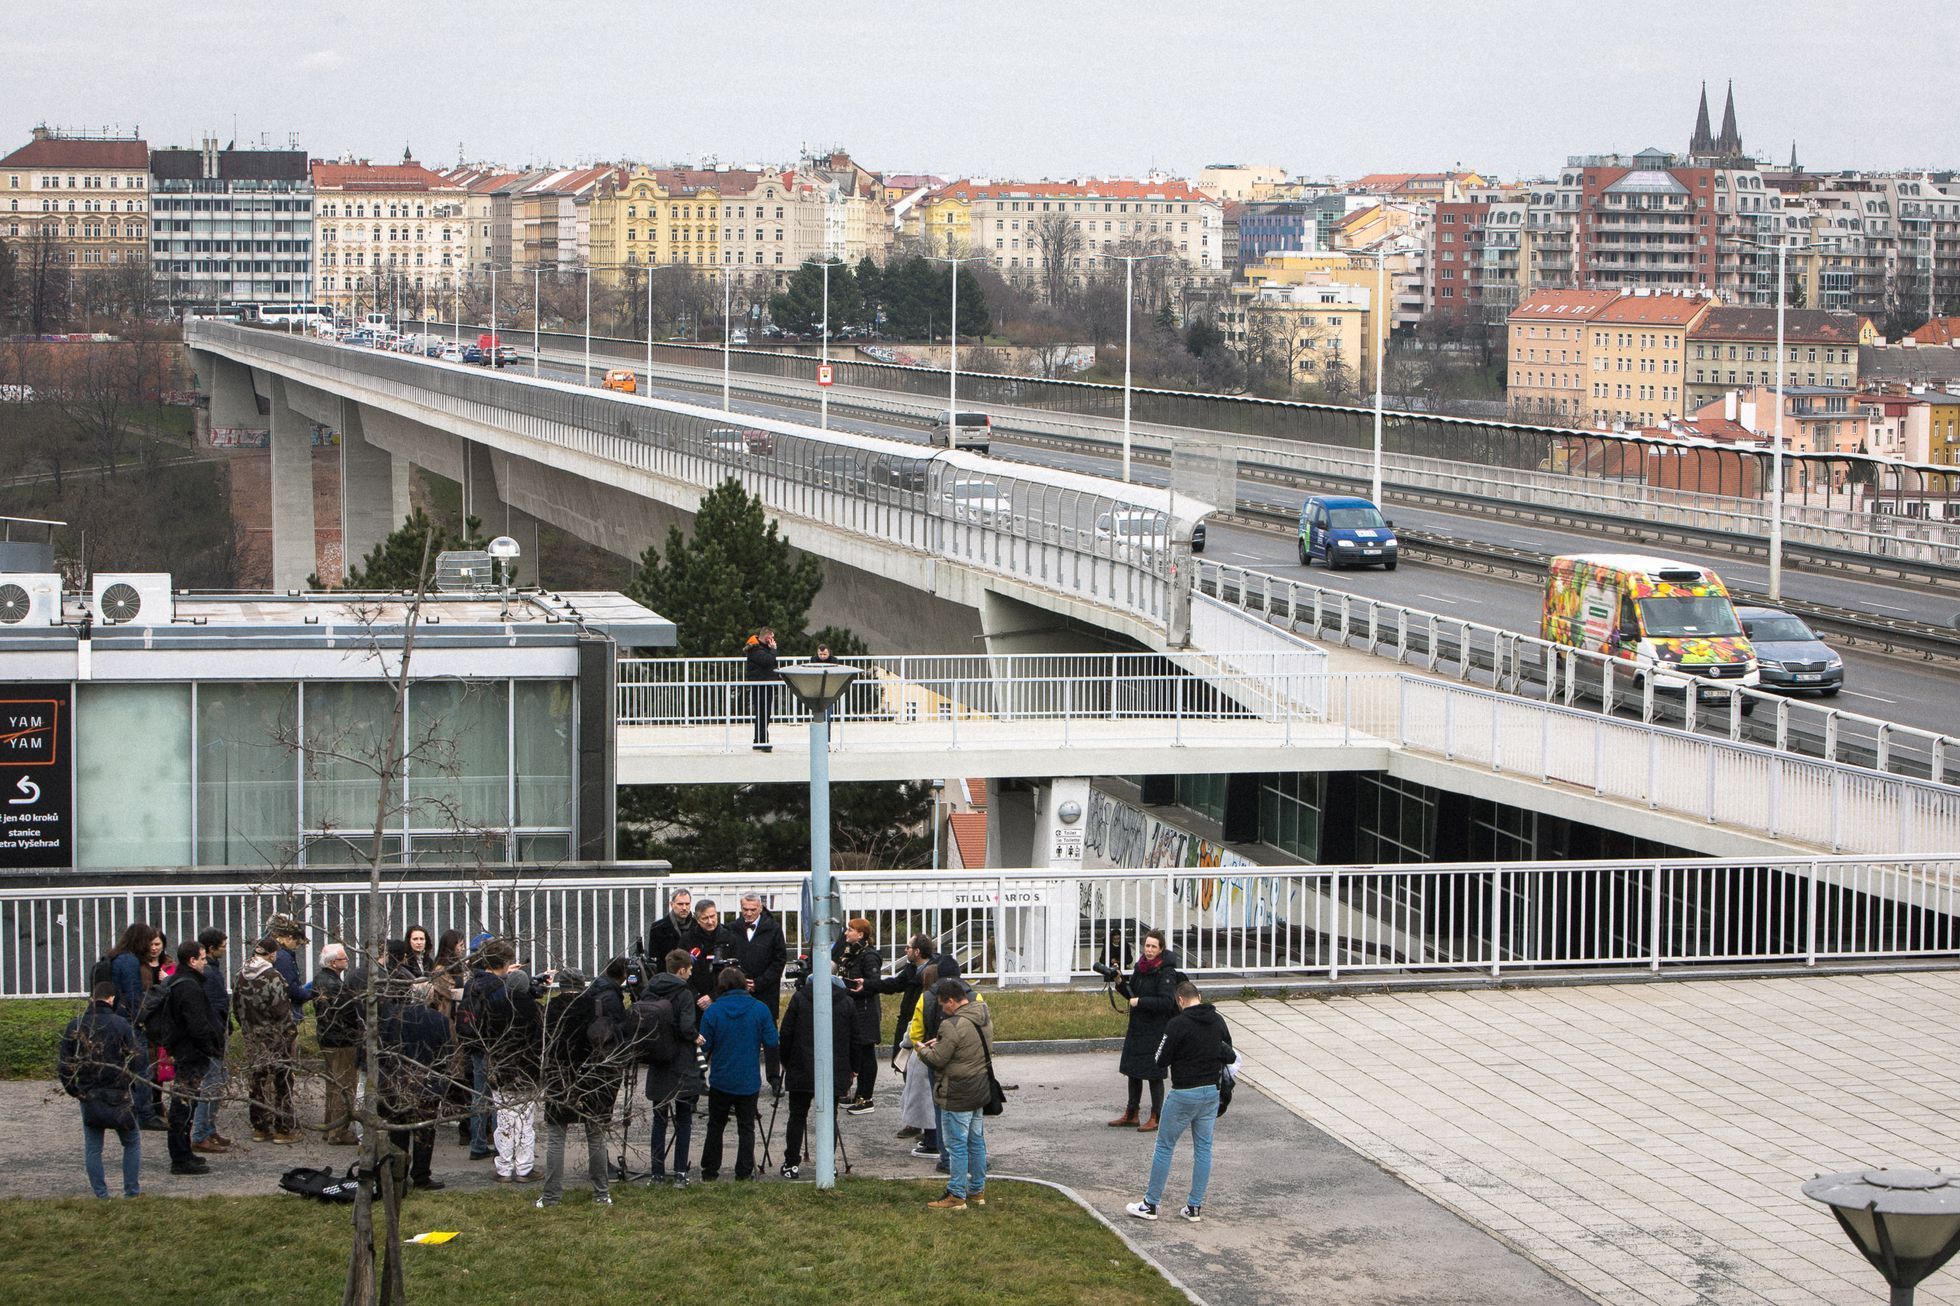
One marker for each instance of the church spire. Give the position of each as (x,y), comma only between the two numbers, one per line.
(1729,143)
(1703,141)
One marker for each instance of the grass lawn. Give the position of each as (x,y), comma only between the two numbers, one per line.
(30,1035)
(731,1244)
(1025,1014)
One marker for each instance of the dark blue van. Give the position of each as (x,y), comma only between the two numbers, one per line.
(1343,531)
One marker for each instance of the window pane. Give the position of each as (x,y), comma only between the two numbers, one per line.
(544,753)
(133,775)
(544,847)
(347,749)
(459,774)
(474,848)
(351,848)
(247,776)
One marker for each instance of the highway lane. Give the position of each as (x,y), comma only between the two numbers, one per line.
(1876,685)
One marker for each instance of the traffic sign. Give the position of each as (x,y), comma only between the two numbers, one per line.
(823,374)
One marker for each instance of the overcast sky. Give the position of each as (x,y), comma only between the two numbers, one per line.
(1005,88)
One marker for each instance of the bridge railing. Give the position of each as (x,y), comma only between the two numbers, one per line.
(1057,530)
(1236,922)
(1535,668)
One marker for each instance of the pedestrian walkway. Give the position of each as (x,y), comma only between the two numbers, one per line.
(1646,1141)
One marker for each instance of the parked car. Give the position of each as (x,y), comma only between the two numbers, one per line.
(1789,654)
(621,379)
(1343,531)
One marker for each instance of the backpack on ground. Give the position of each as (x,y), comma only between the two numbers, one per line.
(321,1184)
(155,1018)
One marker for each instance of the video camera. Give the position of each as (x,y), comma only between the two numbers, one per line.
(797,969)
(1112,976)
(637,970)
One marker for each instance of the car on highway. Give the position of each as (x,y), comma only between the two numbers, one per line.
(726,442)
(1343,531)
(759,442)
(622,379)
(451,354)
(472,355)
(506,355)
(433,349)
(970,431)
(1659,617)
(982,503)
(899,473)
(1789,654)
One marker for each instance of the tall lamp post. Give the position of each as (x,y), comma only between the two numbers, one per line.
(823,391)
(1380,315)
(1782,248)
(1905,1221)
(818,686)
(953,341)
(1130,262)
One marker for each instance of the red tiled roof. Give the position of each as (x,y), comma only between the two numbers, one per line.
(1939,331)
(379,176)
(57,152)
(1801,325)
(976,792)
(1564,304)
(970,836)
(1653,310)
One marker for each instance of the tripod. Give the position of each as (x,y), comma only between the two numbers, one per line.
(629,1078)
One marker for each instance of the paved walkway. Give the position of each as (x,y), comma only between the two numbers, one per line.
(1292,1216)
(1646,1141)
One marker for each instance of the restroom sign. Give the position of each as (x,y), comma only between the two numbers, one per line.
(823,374)
(36,786)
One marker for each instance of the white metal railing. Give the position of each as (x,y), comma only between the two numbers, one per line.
(1054,530)
(1537,669)
(1036,926)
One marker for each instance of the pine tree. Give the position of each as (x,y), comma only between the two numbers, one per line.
(394,564)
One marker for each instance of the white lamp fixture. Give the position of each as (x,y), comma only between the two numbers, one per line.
(1906,1221)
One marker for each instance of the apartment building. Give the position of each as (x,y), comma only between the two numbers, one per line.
(85,196)
(230,227)
(386,234)
(1547,368)
(1319,330)
(1119,216)
(1736,347)
(1455,260)
(1637,357)
(550,215)
(486,215)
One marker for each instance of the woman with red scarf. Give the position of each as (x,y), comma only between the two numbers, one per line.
(1152,991)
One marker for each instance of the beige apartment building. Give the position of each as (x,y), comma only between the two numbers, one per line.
(1320,330)
(86,196)
(1638,357)
(1157,215)
(1547,369)
(387,235)
(1735,348)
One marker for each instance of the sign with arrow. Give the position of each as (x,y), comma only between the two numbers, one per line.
(37,816)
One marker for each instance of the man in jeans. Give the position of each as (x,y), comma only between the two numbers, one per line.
(961,1057)
(337,1012)
(211,1094)
(1195,1049)
(99,1066)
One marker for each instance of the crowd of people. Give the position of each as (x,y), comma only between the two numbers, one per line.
(465,1034)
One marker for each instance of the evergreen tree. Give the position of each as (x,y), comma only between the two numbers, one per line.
(799,307)
(735,574)
(395,563)
(871,289)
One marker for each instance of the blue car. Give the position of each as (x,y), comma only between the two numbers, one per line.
(1343,531)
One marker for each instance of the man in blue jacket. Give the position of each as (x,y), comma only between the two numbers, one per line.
(100,1062)
(735,1031)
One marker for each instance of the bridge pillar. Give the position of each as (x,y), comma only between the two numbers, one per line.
(493,475)
(229,383)
(294,552)
(367,489)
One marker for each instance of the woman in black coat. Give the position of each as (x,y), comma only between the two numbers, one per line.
(860,964)
(1152,991)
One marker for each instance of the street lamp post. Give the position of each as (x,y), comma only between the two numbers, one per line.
(1381,349)
(537,311)
(1129,315)
(823,391)
(953,346)
(1905,1221)
(819,686)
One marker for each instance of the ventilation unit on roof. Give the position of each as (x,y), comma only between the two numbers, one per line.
(138,598)
(465,571)
(30,599)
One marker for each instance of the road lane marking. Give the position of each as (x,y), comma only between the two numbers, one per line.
(1438,598)
(1852,693)
(1888,607)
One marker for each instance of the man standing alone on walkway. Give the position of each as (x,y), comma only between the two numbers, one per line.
(759,662)
(1196,1048)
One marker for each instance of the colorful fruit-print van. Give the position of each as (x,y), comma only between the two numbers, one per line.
(1653,613)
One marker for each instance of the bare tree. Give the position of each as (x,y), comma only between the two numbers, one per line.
(1059,239)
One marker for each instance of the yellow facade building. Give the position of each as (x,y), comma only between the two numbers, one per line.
(944,222)
(1320,330)
(1638,358)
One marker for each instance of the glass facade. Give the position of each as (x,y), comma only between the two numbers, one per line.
(1289,813)
(1204,794)
(281,774)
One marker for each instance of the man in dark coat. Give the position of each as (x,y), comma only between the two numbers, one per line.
(798,1044)
(666,933)
(338,1008)
(196,1041)
(921,951)
(674,1080)
(204,1121)
(415,1044)
(707,941)
(762,954)
(759,671)
(1195,1049)
(585,1028)
(99,1064)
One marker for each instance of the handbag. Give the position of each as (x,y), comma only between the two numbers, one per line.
(902,1059)
(996,1098)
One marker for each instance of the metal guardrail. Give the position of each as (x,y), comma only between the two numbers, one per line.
(1532,667)
(1307,923)
(1495,463)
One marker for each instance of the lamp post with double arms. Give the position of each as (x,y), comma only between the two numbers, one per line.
(1130,262)
(953,340)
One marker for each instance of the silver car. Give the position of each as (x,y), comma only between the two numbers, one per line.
(1789,653)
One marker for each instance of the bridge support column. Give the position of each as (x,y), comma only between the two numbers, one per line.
(367,489)
(233,401)
(294,552)
(492,474)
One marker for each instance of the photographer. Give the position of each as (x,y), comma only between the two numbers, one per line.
(674,1079)
(1151,988)
(710,947)
(862,966)
(798,1039)
(584,1029)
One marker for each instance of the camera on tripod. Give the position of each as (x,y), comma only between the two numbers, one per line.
(797,969)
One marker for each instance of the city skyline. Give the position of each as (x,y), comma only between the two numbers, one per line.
(1016,92)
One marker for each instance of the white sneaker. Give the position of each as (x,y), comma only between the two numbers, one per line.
(1142,1210)
(1192,1213)
(544,1204)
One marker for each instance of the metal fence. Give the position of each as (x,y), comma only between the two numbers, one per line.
(1044,926)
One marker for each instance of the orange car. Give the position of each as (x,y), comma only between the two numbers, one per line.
(621,379)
